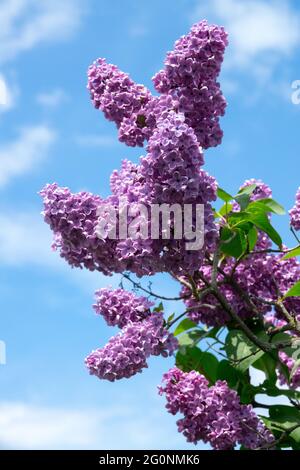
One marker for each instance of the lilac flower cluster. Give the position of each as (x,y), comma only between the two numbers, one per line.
(120,307)
(113,92)
(73,219)
(295,213)
(126,354)
(190,75)
(212,414)
(188,85)
(170,173)
(289,362)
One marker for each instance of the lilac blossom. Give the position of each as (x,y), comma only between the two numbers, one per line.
(295,213)
(126,353)
(120,307)
(212,414)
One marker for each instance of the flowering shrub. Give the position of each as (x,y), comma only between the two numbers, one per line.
(239,290)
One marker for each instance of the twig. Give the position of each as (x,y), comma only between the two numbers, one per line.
(137,285)
(295,235)
(223,301)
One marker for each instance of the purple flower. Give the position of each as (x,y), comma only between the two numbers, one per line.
(126,354)
(120,307)
(113,92)
(295,213)
(190,77)
(212,414)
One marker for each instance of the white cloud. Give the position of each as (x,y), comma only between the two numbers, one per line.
(52,99)
(261,33)
(3,92)
(20,156)
(24,426)
(25,239)
(27,23)
(7,95)
(91,140)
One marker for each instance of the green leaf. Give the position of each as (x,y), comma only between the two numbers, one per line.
(261,221)
(212,333)
(159,308)
(295,368)
(243,200)
(272,206)
(247,393)
(202,362)
(171,318)
(191,338)
(225,209)
(183,326)
(252,238)
(272,391)
(292,254)
(234,242)
(294,291)
(285,416)
(240,350)
(227,372)
(209,367)
(247,190)
(267,364)
(224,195)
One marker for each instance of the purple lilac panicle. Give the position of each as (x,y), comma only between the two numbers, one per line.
(188,85)
(189,76)
(120,307)
(113,92)
(212,414)
(295,212)
(73,220)
(126,354)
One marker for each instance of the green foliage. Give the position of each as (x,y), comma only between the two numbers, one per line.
(241,351)
(294,291)
(239,232)
(184,325)
(195,359)
(224,195)
(292,254)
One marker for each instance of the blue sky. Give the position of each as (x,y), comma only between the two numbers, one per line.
(50,132)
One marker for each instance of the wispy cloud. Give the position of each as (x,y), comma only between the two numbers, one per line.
(25,239)
(23,154)
(7,95)
(52,99)
(3,92)
(24,426)
(27,23)
(94,140)
(261,33)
